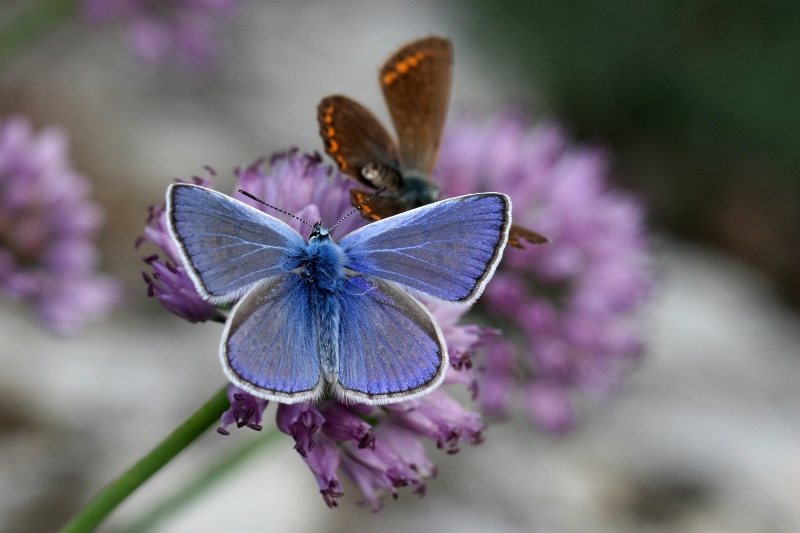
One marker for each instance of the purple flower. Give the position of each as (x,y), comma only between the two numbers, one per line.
(303,186)
(301,421)
(573,301)
(395,459)
(245,410)
(497,378)
(163,31)
(169,280)
(462,341)
(47,224)
(379,448)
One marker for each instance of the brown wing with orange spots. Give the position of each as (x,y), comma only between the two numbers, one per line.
(416,85)
(379,207)
(517,234)
(353,137)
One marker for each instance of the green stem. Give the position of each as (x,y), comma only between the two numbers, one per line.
(192,490)
(115,493)
(30,22)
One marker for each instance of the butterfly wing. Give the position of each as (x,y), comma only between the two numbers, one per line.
(390,348)
(226,245)
(416,85)
(354,138)
(377,208)
(518,233)
(269,344)
(447,250)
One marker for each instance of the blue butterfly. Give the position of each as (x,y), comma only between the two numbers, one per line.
(340,315)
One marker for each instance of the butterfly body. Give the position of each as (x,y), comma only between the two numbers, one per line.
(342,317)
(418,191)
(322,272)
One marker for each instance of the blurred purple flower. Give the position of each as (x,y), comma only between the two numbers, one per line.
(303,186)
(164,31)
(47,224)
(573,301)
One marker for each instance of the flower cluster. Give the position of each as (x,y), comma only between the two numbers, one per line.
(47,225)
(379,448)
(163,31)
(574,301)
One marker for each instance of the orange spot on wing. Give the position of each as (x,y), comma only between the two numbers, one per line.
(357,199)
(412,61)
(342,162)
(327,119)
(331,132)
(419,56)
(402,67)
(330,110)
(333,146)
(389,78)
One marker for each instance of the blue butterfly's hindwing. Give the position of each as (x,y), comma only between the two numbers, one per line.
(269,346)
(390,346)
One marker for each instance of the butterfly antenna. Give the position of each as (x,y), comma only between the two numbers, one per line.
(275,208)
(362,204)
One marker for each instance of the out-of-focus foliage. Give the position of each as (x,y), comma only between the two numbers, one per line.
(700,100)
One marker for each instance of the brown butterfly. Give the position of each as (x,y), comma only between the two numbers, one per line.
(416,86)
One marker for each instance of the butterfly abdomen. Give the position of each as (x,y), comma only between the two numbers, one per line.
(383,176)
(323,268)
(326,308)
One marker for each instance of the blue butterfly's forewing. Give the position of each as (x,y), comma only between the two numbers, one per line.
(269,347)
(447,250)
(226,245)
(390,347)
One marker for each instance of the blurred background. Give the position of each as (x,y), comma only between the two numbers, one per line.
(698,104)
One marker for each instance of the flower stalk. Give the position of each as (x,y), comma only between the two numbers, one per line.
(115,493)
(202,483)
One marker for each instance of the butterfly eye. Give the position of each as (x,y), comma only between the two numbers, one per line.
(319,232)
